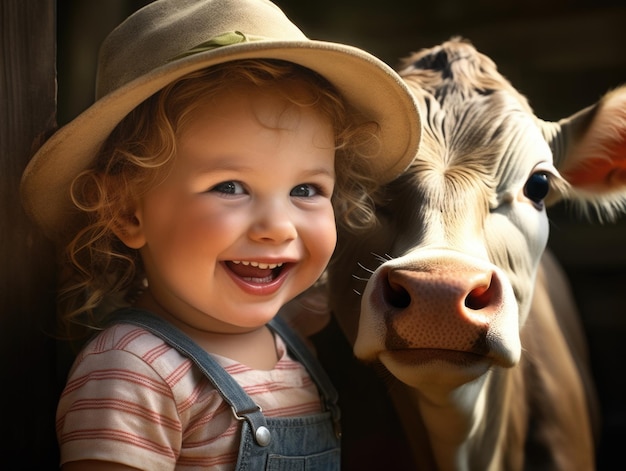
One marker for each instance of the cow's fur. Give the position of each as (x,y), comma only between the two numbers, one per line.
(450,293)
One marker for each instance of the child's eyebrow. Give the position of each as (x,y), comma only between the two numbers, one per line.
(229,164)
(320,171)
(226,163)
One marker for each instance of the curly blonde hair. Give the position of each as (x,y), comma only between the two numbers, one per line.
(102,272)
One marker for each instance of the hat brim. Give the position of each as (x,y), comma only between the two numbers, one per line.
(367,83)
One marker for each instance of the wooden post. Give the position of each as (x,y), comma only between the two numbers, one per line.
(27,347)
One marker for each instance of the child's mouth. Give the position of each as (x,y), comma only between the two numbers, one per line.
(255,272)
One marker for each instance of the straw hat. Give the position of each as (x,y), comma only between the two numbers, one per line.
(171,38)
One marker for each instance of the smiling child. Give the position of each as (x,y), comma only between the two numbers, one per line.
(196,197)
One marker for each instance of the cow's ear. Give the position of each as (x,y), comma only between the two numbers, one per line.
(589,151)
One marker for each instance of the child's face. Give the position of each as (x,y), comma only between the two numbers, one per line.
(244,222)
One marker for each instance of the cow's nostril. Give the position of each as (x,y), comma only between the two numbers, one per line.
(396,296)
(479,298)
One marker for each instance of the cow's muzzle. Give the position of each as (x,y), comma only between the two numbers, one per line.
(439,305)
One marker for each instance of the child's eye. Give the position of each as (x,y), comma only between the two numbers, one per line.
(305,190)
(230,188)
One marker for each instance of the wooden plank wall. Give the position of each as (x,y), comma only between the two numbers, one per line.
(27,349)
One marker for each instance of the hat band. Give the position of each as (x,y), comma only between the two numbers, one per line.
(225,39)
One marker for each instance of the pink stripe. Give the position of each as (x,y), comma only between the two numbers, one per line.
(226,458)
(127,408)
(237,368)
(294,411)
(118,375)
(120,436)
(153,354)
(130,337)
(271,387)
(178,373)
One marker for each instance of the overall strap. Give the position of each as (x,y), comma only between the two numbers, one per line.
(242,405)
(306,357)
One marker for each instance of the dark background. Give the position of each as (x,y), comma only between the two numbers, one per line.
(563,55)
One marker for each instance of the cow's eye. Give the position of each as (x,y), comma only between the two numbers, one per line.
(537,187)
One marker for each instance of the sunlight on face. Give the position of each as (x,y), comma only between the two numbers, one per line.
(243,222)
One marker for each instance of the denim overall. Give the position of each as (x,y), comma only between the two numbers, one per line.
(308,443)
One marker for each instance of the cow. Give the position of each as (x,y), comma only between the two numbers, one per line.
(453,296)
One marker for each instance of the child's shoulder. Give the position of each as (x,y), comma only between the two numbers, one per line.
(128,346)
(123,337)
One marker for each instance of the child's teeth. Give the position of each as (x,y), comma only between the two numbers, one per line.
(265,266)
(262,266)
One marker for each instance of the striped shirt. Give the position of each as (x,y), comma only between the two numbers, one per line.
(132,399)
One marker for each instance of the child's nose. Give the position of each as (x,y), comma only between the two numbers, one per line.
(272,222)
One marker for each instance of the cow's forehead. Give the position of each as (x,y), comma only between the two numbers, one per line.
(491,140)
(463,97)
(473,119)
(479,148)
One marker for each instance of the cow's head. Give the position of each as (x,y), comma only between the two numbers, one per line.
(439,290)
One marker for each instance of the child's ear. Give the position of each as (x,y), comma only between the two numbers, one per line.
(129,230)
